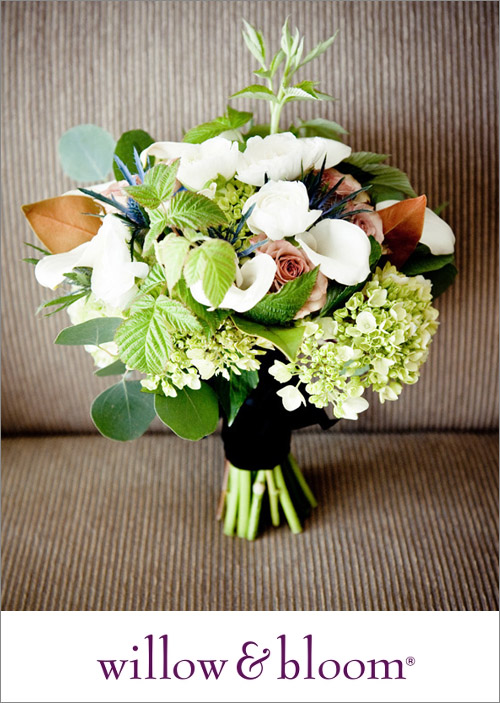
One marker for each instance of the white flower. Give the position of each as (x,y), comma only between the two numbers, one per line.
(283,157)
(108,254)
(340,249)
(436,234)
(253,281)
(352,407)
(292,398)
(281,209)
(200,163)
(281,372)
(365,322)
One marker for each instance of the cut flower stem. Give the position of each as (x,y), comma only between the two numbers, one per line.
(254,497)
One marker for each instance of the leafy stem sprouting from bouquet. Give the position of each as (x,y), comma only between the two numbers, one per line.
(279,71)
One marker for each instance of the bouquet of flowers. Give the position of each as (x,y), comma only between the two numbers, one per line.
(266,278)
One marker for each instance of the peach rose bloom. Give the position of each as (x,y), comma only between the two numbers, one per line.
(290,263)
(348,186)
(370,222)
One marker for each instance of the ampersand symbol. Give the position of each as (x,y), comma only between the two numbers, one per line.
(257,662)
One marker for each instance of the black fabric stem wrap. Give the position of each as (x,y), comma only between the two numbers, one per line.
(260,435)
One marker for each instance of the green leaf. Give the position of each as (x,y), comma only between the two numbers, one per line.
(255,43)
(158,186)
(260,92)
(233,393)
(171,253)
(212,319)
(219,270)
(194,210)
(391,177)
(288,339)
(237,118)
(123,412)
(258,130)
(124,149)
(154,279)
(422,261)
(276,61)
(205,131)
(276,308)
(336,295)
(177,315)
(191,414)
(439,209)
(318,49)
(115,369)
(158,223)
(441,279)
(321,128)
(144,339)
(86,153)
(365,159)
(144,194)
(61,302)
(375,252)
(96,331)
(379,193)
(286,39)
(195,266)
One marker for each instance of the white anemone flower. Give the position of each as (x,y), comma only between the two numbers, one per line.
(340,249)
(113,273)
(292,398)
(284,157)
(199,163)
(253,281)
(280,209)
(436,234)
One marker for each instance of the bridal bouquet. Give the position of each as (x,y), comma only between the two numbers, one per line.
(246,273)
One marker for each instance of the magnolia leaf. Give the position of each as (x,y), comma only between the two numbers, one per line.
(115,369)
(423,261)
(194,210)
(191,414)
(86,153)
(403,224)
(276,308)
(97,331)
(65,222)
(441,279)
(171,253)
(133,139)
(123,412)
(288,339)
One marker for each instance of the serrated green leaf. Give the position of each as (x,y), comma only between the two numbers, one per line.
(115,369)
(319,49)
(233,393)
(295,93)
(154,280)
(195,266)
(171,253)
(322,128)
(177,315)
(219,270)
(191,414)
(205,131)
(365,159)
(260,92)
(158,223)
(162,179)
(286,38)
(288,339)
(144,194)
(255,43)
(423,261)
(276,308)
(391,177)
(276,61)
(237,118)
(210,319)
(134,138)
(194,210)
(99,330)
(123,412)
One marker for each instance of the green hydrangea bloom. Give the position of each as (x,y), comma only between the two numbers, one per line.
(231,196)
(378,340)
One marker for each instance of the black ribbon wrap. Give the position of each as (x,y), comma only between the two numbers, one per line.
(260,436)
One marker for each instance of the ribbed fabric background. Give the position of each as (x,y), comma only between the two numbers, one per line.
(417,80)
(400,527)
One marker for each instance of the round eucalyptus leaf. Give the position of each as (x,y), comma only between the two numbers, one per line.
(123,412)
(86,153)
(191,414)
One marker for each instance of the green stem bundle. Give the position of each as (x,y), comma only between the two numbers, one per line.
(252,497)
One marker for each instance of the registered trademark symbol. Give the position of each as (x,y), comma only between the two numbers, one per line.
(410,661)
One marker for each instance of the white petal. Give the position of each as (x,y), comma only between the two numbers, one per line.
(341,249)
(352,406)
(316,148)
(436,234)
(164,151)
(50,270)
(255,279)
(292,398)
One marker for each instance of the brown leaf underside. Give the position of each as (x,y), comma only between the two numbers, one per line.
(403,224)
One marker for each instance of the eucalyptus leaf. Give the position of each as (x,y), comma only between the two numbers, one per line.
(192,414)
(115,369)
(97,331)
(123,412)
(133,139)
(86,153)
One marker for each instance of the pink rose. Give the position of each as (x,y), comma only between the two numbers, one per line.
(290,263)
(348,186)
(370,222)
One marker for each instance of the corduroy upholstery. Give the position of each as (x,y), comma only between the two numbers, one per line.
(406,520)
